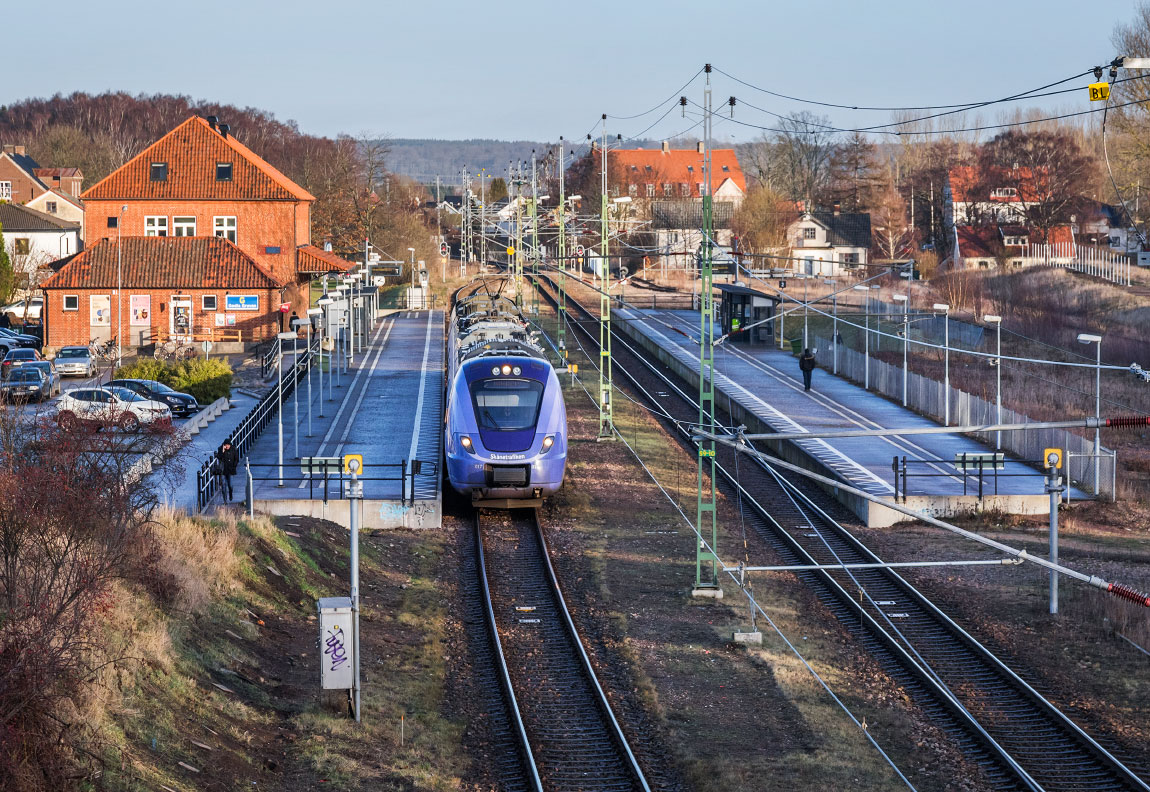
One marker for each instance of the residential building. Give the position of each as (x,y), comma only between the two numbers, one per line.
(60,204)
(18,181)
(199,183)
(153,289)
(65,180)
(994,246)
(1002,196)
(35,239)
(827,243)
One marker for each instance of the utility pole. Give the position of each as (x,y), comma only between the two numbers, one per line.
(439,227)
(606,409)
(534,236)
(706,516)
(483,216)
(519,237)
(561,313)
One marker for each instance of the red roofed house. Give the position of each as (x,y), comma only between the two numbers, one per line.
(197,181)
(992,246)
(1001,198)
(667,185)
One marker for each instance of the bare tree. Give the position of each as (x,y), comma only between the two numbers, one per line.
(804,147)
(893,236)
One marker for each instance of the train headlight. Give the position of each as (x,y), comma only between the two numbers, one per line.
(517,371)
(506,369)
(548,441)
(465,441)
(495,371)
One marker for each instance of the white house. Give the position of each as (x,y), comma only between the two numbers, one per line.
(35,239)
(826,243)
(60,204)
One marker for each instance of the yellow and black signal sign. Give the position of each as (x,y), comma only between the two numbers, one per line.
(357,459)
(574,367)
(1099,91)
(1054,454)
(706,452)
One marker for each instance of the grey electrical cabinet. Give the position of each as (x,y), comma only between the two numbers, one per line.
(337,662)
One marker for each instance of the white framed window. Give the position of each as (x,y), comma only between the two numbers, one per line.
(5,191)
(50,207)
(667,189)
(71,302)
(1014,241)
(850,259)
(183,226)
(208,302)
(685,189)
(1003,192)
(808,233)
(155,226)
(633,190)
(650,191)
(224,227)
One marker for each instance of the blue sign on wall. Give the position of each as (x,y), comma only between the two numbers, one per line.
(242,302)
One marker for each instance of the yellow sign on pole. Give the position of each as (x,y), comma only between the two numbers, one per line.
(574,368)
(353,463)
(511,251)
(1099,92)
(1056,454)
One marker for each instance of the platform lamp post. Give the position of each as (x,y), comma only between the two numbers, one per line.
(280,338)
(322,305)
(866,337)
(997,322)
(835,327)
(295,323)
(902,298)
(411,294)
(341,337)
(946,357)
(1087,338)
(311,314)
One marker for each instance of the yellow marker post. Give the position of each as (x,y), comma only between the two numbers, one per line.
(511,251)
(1047,453)
(1099,91)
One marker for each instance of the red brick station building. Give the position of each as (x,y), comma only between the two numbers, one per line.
(205,239)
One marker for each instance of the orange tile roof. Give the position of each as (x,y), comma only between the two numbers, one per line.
(964,180)
(164,263)
(60,172)
(677,166)
(310,258)
(191,151)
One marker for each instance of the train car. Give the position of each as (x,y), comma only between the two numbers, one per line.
(505,436)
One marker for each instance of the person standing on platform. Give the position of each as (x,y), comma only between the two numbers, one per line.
(807,366)
(227,461)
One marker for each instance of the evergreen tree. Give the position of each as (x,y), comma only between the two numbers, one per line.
(7,275)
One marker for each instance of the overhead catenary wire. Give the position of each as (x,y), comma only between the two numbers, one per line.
(672,97)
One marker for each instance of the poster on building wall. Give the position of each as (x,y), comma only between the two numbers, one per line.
(141,308)
(231,320)
(100,310)
(242,302)
(221,320)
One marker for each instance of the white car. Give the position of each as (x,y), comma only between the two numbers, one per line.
(75,360)
(110,407)
(34,305)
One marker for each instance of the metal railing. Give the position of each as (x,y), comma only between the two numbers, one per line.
(325,484)
(978,469)
(249,429)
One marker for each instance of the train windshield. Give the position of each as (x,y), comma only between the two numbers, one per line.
(507,404)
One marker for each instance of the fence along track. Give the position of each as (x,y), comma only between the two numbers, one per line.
(569,730)
(1019,738)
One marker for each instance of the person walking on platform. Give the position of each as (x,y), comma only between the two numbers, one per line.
(227,461)
(807,366)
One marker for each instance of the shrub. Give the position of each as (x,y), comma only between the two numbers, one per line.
(148,369)
(206,379)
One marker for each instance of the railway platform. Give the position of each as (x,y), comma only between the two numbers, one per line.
(388,407)
(761,387)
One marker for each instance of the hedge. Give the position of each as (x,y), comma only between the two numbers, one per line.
(206,379)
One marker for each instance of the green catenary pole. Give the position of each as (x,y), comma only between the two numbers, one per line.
(706,518)
(606,418)
(561,314)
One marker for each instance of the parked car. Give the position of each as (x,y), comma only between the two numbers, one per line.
(16,358)
(182,404)
(10,339)
(109,407)
(25,309)
(27,383)
(75,361)
(51,377)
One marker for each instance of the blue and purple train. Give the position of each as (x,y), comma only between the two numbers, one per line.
(505,436)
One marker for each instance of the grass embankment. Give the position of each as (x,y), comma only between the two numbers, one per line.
(222,688)
(730,717)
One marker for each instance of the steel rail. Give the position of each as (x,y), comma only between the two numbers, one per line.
(922,671)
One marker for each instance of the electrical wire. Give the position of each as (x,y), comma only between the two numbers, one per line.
(908,133)
(672,97)
(967,105)
(1110,172)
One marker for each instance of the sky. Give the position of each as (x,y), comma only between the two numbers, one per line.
(537,70)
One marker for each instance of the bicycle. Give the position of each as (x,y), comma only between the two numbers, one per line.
(174,350)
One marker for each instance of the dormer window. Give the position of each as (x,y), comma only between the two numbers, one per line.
(1004,192)
(223,171)
(1014,241)
(690,169)
(158,172)
(726,169)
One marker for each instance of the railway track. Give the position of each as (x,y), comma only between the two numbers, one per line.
(1000,721)
(564,733)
